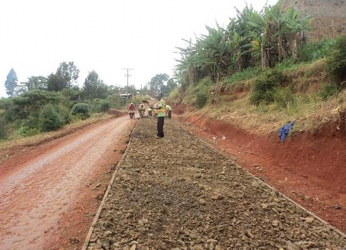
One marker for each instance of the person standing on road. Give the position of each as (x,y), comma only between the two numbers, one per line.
(161,112)
(169,111)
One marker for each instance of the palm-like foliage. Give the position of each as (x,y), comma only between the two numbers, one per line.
(265,37)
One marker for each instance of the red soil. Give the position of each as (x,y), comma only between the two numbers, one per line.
(308,168)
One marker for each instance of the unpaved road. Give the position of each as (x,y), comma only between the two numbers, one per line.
(50,193)
(179,193)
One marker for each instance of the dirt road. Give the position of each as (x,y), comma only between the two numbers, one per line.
(180,193)
(50,193)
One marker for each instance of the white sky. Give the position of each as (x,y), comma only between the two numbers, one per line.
(104,35)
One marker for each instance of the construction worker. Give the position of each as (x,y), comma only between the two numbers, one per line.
(161,112)
(169,111)
(141,110)
(150,112)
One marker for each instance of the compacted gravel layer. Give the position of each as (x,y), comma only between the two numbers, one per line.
(179,193)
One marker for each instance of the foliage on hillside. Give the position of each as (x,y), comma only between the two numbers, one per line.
(263,101)
(260,73)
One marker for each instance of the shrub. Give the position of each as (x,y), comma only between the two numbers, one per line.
(201,100)
(315,51)
(264,87)
(283,97)
(328,90)
(3,134)
(50,118)
(201,92)
(23,130)
(336,64)
(104,106)
(81,110)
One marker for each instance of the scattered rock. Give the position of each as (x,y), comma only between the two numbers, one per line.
(170,195)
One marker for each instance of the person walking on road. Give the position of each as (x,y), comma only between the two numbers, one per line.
(141,110)
(161,112)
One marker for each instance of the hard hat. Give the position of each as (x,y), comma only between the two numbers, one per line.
(131,103)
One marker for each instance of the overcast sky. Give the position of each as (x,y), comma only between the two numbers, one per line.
(107,36)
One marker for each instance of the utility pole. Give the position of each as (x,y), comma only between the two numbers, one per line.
(127,84)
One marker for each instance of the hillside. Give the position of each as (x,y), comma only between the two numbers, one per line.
(309,165)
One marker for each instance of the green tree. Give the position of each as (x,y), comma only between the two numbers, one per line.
(94,87)
(171,85)
(36,82)
(29,103)
(157,82)
(55,83)
(69,72)
(11,83)
(65,76)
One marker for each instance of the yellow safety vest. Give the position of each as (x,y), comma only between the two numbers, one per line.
(161,111)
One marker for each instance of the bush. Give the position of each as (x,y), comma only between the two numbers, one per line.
(201,100)
(283,97)
(81,110)
(3,133)
(104,106)
(328,90)
(22,130)
(314,51)
(50,118)
(201,92)
(264,87)
(336,64)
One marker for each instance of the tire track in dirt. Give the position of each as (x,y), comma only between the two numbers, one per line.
(37,194)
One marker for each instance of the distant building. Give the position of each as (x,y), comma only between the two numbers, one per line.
(328,17)
(128,95)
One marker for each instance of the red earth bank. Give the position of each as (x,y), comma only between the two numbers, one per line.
(308,168)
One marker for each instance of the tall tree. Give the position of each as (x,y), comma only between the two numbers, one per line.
(11,83)
(94,87)
(157,82)
(69,72)
(36,82)
(65,76)
(55,82)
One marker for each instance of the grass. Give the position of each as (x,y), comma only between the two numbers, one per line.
(308,108)
(21,140)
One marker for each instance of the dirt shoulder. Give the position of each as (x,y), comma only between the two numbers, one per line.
(180,193)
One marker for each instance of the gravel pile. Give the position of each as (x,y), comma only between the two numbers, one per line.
(179,193)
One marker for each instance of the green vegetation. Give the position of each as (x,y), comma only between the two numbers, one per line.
(265,87)
(51,118)
(81,110)
(337,62)
(261,73)
(44,104)
(255,70)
